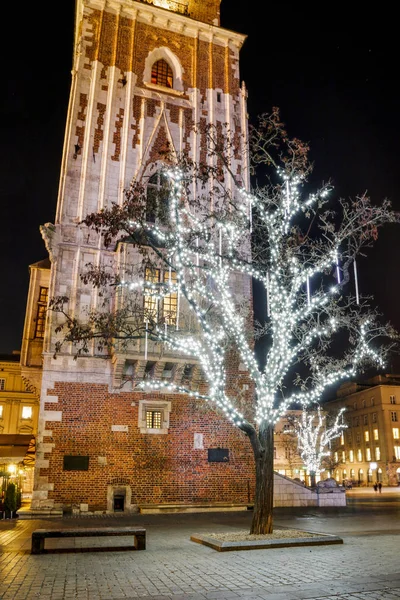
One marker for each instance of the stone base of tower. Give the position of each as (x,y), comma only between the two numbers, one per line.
(104,452)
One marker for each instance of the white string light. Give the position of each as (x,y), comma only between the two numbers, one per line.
(356,282)
(198,289)
(313,436)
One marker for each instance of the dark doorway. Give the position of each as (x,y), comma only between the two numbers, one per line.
(119,502)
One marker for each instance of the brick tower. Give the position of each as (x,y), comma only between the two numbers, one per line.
(144,73)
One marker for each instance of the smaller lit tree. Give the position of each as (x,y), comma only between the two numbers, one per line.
(314,437)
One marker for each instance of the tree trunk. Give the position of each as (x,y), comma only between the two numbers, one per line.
(313,482)
(263,449)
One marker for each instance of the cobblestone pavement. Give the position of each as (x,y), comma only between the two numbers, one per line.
(365,567)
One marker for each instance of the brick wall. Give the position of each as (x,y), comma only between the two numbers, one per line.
(158,468)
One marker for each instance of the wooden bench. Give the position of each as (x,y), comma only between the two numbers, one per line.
(39,535)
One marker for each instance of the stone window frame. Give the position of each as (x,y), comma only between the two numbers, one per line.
(164,53)
(164,406)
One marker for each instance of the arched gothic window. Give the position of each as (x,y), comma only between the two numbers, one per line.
(157,199)
(161,74)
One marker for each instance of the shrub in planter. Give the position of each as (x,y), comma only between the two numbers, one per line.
(10,501)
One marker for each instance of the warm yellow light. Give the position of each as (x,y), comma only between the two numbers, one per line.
(11,469)
(162,3)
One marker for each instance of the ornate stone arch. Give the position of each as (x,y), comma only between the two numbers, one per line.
(164,53)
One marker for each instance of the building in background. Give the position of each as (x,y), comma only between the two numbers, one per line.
(144,73)
(369,450)
(19,411)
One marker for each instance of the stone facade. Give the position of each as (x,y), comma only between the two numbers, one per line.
(94,448)
(19,411)
(369,449)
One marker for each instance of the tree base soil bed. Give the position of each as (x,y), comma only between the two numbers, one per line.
(280,538)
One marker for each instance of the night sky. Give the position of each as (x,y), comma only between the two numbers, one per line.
(334,78)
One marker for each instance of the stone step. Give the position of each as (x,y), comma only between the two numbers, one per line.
(193,508)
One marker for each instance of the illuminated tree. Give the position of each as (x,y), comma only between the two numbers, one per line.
(314,437)
(302,253)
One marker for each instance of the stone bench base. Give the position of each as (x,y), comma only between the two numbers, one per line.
(39,535)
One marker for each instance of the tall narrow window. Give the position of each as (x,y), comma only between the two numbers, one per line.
(2,384)
(392,399)
(359,455)
(394,416)
(376,434)
(377,453)
(27,412)
(170,302)
(351,456)
(161,74)
(150,302)
(366,436)
(368,453)
(1,411)
(41,312)
(157,199)
(397,452)
(395,433)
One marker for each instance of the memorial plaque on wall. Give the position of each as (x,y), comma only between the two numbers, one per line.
(76,463)
(218,455)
